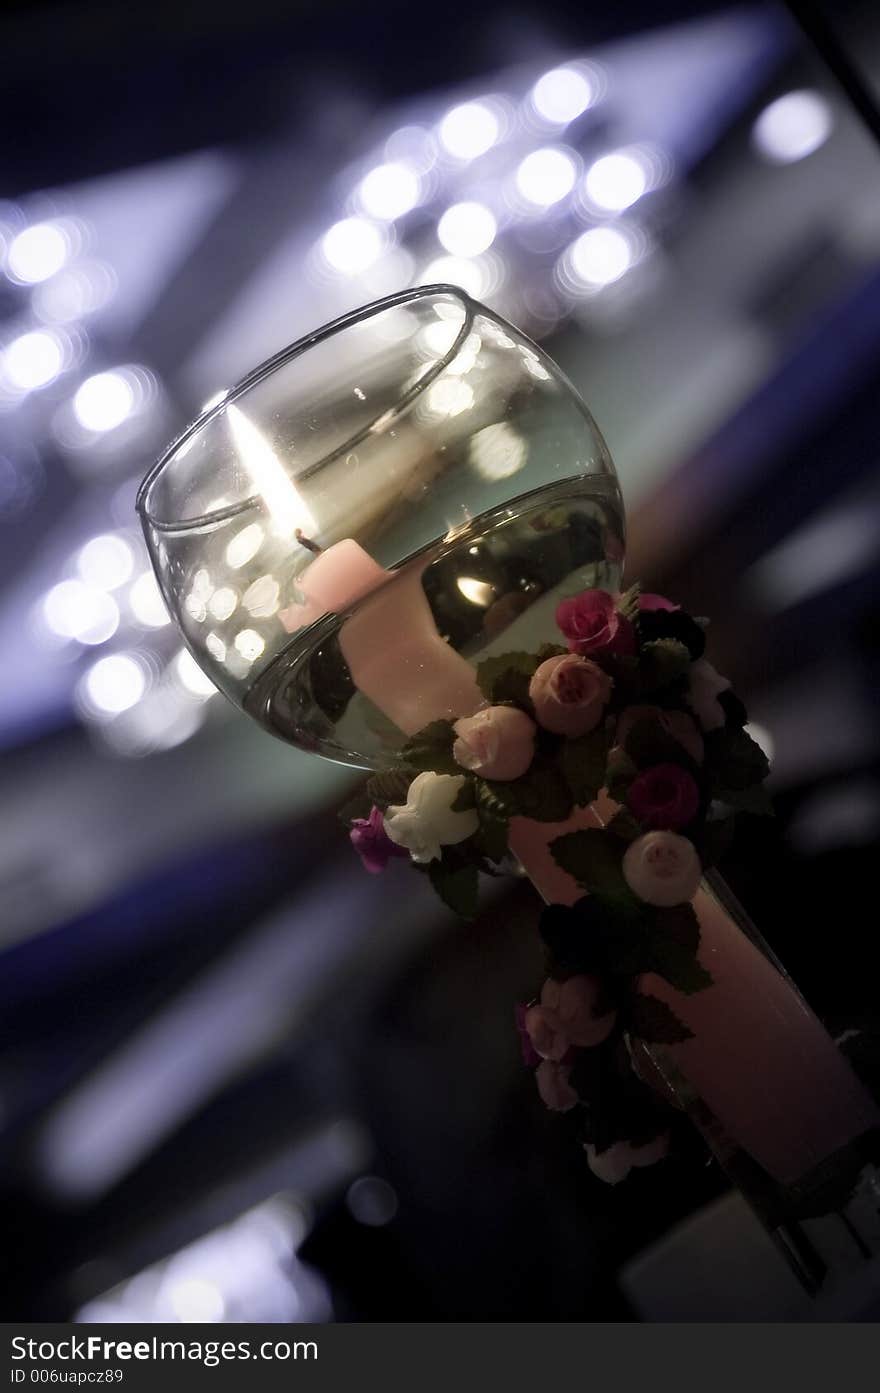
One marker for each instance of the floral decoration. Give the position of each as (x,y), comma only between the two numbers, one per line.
(627,706)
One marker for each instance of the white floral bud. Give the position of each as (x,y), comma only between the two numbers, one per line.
(427,822)
(662,868)
(705,685)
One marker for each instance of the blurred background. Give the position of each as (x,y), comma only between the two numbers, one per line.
(239,1079)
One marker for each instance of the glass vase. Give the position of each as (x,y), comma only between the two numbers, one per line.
(345,536)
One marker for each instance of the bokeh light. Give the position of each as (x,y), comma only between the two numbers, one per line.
(616,181)
(469,130)
(457,270)
(104,401)
(75,292)
(33,360)
(38,252)
(147,604)
(191,677)
(113,684)
(353,244)
(389,191)
(793,127)
(563,94)
(74,610)
(106,561)
(599,257)
(546,176)
(467,229)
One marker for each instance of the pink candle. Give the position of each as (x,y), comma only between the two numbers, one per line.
(335,579)
(760,1059)
(391,645)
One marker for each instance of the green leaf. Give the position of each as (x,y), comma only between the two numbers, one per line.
(628,604)
(714,839)
(651,1019)
(541,793)
(628,950)
(593,857)
(507,677)
(491,837)
(663,941)
(466,798)
(754,800)
(680,969)
(647,743)
(583,765)
(624,673)
(663,661)
(734,759)
(674,941)
(624,826)
(550,650)
(619,774)
(457,887)
(389,786)
(678,924)
(431,748)
(357,806)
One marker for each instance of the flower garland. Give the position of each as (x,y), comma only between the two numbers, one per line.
(630,706)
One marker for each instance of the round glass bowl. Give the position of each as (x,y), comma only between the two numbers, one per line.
(373,512)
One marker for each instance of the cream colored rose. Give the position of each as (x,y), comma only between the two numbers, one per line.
(554,1088)
(497,743)
(615,1163)
(426,822)
(705,685)
(569,694)
(662,868)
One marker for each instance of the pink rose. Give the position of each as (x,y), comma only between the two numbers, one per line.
(545,1033)
(569,694)
(615,1163)
(554,1088)
(530,1056)
(678,724)
(573,1003)
(497,743)
(651,602)
(372,843)
(662,868)
(664,796)
(592,625)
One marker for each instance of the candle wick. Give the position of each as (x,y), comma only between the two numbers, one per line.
(307,542)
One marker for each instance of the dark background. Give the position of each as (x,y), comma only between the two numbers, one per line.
(238,1078)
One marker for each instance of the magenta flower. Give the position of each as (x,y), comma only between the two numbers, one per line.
(372,843)
(653,602)
(664,797)
(591,623)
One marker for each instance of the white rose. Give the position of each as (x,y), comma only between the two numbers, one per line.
(615,1163)
(705,685)
(662,868)
(426,822)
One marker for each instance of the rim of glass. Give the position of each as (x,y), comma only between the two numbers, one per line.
(287,355)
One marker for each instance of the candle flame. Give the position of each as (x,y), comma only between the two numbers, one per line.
(271,481)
